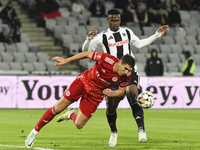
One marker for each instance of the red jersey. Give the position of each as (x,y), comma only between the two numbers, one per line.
(101,75)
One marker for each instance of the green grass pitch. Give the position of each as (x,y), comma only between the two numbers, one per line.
(167,129)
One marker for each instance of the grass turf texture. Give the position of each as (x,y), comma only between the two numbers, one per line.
(166,129)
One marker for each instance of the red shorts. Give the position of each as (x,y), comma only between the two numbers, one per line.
(76,91)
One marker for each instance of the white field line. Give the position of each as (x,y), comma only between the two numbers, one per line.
(40,148)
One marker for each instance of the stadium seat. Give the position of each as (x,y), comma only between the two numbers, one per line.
(31,57)
(140,58)
(79,39)
(94,21)
(74,48)
(81,30)
(164,57)
(4,66)
(22,47)
(164,48)
(103,21)
(19,57)
(174,58)
(50,24)
(33,47)
(7,57)
(25,38)
(28,66)
(39,66)
(58,32)
(189,48)
(64,11)
(180,40)
(148,31)
(197,49)
(10,47)
(182,58)
(136,30)
(196,59)
(143,50)
(176,48)
(140,67)
(42,56)
(66,40)
(70,30)
(185,15)
(50,66)
(180,66)
(72,21)
(2,47)
(191,31)
(171,32)
(168,40)
(153,46)
(15,66)
(5,29)
(191,40)
(61,21)
(158,41)
(172,67)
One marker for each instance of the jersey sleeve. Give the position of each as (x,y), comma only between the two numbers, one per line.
(95,42)
(126,80)
(134,39)
(97,55)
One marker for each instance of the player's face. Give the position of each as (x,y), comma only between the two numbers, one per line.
(114,22)
(124,69)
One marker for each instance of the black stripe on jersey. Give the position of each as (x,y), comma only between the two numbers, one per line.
(118,38)
(129,38)
(105,42)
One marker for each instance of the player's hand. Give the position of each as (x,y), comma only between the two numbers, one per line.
(163,29)
(60,60)
(107,92)
(92,33)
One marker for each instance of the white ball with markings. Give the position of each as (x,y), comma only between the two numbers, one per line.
(146,99)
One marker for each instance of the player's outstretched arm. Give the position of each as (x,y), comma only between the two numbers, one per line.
(90,36)
(62,61)
(117,93)
(144,42)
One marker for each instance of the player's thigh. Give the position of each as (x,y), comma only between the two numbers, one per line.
(81,119)
(62,104)
(112,103)
(132,93)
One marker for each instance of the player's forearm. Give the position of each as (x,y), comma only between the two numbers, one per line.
(86,44)
(144,42)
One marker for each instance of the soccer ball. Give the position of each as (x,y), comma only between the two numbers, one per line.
(146,99)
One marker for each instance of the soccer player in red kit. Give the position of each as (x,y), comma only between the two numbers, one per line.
(91,86)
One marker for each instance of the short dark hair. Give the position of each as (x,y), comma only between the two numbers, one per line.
(128,59)
(113,12)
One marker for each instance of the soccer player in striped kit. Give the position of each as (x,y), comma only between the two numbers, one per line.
(116,41)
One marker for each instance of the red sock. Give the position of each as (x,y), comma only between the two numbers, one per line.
(46,118)
(73,117)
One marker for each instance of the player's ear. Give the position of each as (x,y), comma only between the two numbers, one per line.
(108,20)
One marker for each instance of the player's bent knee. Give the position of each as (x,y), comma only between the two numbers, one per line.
(79,125)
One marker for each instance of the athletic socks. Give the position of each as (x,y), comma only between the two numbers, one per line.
(112,121)
(138,115)
(46,118)
(73,117)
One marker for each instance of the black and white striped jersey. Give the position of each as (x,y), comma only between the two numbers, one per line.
(115,43)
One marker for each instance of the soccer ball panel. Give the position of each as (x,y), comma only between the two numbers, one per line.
(146,99)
